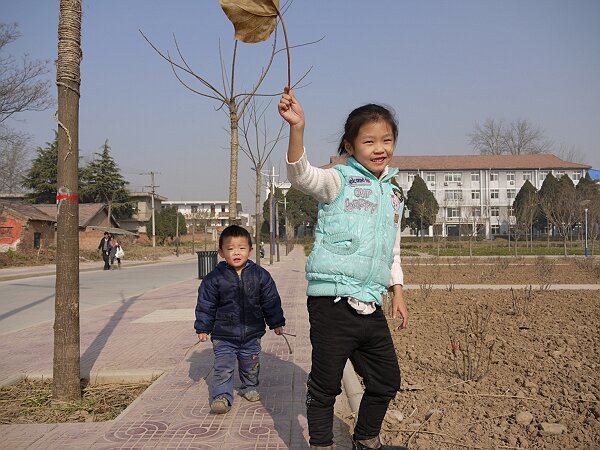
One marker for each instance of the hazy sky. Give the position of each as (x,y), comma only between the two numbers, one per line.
(442,65)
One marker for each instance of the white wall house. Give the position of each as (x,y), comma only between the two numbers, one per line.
(476,192)
(211,213)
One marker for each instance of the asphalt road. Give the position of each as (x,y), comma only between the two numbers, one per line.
(25,302)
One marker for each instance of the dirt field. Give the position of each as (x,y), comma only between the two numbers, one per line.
(533,358)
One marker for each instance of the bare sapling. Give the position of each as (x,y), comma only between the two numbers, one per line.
(521,301)
(544,267)
(470,346)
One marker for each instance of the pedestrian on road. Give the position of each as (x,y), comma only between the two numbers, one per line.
(355,260)
(234,301)
(115,252)
(104,247)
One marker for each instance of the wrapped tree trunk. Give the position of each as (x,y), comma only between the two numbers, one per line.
(66,365)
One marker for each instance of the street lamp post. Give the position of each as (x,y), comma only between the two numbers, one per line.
(586,231)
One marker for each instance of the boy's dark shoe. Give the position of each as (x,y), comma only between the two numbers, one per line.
(220,405)
(374,444)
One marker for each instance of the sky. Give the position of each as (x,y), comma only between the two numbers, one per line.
(443,66)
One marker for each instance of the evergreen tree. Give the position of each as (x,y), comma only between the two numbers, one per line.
(41,178)
(301,209)
(166,224)
(422,206)
(526,207)
(546,193)
(102,182)
(587,188)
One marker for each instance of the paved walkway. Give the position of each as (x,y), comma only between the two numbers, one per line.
(153,334)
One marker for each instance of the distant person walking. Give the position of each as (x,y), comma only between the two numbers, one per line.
(105,248)
(116,252)
(234,302)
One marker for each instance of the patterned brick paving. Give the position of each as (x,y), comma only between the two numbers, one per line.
(174,412)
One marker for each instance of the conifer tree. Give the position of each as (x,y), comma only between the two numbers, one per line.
(41,178)
(102,182)
(422,206)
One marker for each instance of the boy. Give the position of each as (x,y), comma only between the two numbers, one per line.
(234,302)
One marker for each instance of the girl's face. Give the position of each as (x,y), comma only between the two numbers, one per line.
(373,147)
(236,251)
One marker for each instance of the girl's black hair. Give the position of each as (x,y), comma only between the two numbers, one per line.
(365,114)
(234,231)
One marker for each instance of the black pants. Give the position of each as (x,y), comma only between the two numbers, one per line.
(338,332)
(106,258)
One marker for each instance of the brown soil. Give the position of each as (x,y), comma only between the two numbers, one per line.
(30,401)
(533,379)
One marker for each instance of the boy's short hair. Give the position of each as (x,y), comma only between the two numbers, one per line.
(234,231)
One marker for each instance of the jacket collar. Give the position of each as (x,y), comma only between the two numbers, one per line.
(385,175)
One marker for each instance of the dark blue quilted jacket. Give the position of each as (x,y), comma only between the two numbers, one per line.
(236,308)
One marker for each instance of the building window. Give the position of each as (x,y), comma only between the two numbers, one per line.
(511,211)
(527,176)
(430,177)
(37,240)
(475,195)
(510,177)
(453,194)
(543,175)
(493,176)
(494,211)
(411,177)
(476,212)
(559,173)
(510,193)
(453,177)
(576,175)
(452,213)
(194,209)
(475,177)
(222,208)
(495,229)
(494,193)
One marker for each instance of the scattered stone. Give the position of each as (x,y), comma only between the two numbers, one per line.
(523,417)
(393,416)
(552,429)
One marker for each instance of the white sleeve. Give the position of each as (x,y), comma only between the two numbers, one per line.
(322,184)
(397,275)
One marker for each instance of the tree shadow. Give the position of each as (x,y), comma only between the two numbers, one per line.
(91,354)
(277,378)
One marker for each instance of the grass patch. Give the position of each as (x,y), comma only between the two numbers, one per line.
(30,401)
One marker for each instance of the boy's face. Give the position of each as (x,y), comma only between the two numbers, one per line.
(236,251)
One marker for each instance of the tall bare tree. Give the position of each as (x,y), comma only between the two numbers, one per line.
(66,366)
(14,160)
(257,145)
(234,104)
(518,137)
(22,87)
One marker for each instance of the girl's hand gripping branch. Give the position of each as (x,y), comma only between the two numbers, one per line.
(291,111)
(278,331)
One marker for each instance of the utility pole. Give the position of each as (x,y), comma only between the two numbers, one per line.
(153,191)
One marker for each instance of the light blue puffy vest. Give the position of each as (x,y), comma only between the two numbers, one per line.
(355,235)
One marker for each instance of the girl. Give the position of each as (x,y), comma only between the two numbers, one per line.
(355,259)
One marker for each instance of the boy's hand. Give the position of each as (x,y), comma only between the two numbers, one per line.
(202,337)
(290,109)
(278,331)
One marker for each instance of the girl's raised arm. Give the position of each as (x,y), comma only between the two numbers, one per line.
(291,111)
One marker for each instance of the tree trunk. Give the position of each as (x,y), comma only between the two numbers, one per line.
(66,366)
(257,215)
(233,166)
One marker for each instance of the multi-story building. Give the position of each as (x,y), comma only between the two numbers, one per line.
(207,213)
(476,192)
